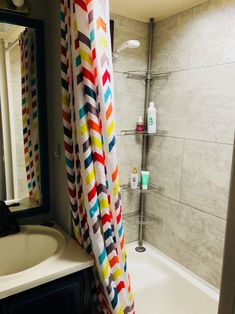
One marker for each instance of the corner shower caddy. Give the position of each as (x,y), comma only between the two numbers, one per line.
(153,189)
(148,76)
(141,219)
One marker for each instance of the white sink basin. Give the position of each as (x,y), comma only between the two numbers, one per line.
(30,247)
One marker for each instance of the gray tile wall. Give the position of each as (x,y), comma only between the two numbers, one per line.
(129,105)
(196,103)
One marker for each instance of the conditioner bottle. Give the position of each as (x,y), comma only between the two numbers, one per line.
(152,117)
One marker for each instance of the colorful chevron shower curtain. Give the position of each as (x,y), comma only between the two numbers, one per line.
(30,113)
(90,148)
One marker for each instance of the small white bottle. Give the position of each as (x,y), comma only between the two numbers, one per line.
(152,117)
(134,178)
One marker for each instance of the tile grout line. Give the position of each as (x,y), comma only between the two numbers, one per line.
(190,38)
(181,175)
(183,138)
(195,208)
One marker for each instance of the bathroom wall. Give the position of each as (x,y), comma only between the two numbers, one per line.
(129,105)
(193,162)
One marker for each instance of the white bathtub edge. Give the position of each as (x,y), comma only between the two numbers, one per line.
(188,275)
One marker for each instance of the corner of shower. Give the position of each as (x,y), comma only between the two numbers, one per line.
(147,76)
(140,248)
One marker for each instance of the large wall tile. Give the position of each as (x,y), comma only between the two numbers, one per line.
(211,101)
(206,176)
(131,229)
(191,237)
(197,104)
(165,164)
(130,202)
(213,33)
(171,43)
(129,156)
(171,98)
(129,102)
(126,29)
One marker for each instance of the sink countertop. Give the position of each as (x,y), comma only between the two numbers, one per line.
(72,259)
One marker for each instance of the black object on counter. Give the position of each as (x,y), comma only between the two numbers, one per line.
(8,222)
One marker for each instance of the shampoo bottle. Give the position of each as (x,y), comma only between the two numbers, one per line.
(134,178)
(152,116)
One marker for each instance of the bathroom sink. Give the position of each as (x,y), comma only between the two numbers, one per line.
(32,246)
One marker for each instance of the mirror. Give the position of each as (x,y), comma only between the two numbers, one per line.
(23,148)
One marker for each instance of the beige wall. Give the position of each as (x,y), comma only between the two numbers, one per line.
(193,162)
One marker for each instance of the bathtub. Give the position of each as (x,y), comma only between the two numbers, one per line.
(161,286)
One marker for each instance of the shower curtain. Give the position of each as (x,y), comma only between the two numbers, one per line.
(90,148)
(30,113)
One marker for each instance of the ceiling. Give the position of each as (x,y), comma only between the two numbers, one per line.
(157,9)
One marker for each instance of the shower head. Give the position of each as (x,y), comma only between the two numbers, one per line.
(128,44)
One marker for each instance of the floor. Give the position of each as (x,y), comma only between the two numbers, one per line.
(161,286)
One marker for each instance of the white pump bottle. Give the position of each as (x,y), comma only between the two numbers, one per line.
(152,117)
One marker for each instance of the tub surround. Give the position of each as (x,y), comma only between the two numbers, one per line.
(195,104)
(168,287)
(71,259)
(193,162)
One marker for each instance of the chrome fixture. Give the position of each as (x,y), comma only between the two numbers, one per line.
(131,44)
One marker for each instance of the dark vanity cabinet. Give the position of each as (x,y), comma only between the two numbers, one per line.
(67,295)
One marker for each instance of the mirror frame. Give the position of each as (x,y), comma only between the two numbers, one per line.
(38,26)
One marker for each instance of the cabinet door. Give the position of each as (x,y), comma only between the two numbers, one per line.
(62,296)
